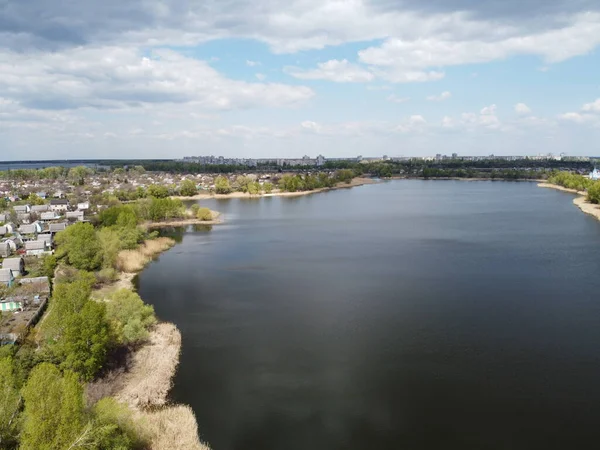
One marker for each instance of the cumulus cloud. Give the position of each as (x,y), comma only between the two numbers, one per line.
(592,107)
(522,109)
(439,98)
(578,117)
(333,70)
(116,77)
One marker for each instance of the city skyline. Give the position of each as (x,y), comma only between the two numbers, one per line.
(280,79)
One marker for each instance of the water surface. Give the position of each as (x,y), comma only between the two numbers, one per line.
(409,314)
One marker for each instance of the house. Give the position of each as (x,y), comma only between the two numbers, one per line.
(17,265)
(22,209)
(3,230)
(48,216)
(15,243)
(5,249)
(47,237)
(56,227)
(595,174)
(6,277)
(59,204)
(75,216)
(40,208)
(10,228)
(36,248)
(59,194)
(3,217)
(32,228)
(41,195)
(83,206)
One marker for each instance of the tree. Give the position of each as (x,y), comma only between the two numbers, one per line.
(10,400)
(49,264)
(222,185)
(54,411)
(80,246)
(129,317)
(158,191)
(33,199)
(204,214)
(188,188)
(84,343)
(268,187)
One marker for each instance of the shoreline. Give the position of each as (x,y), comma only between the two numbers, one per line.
(580,201)
(145,379)
(531,180)
(216,220)
(358,181)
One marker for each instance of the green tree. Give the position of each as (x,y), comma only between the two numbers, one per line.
(222,185)
(83,345)
(54,411)
(158,191)
(129,317)
(10,400)
(188,188)
(49,263)
(268,187)
(33,199)
(204,214)
(80,246)
(110,243)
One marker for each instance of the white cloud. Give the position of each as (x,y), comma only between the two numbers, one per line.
(578,118)
(112,77)
(592,107)
(260,76)
(340,71)
(252,63)
(439,98)
(522,109)
(447,122)
(395,99)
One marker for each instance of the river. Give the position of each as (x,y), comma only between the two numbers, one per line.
(403,315)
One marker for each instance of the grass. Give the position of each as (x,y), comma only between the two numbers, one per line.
(131,261)
(172,428)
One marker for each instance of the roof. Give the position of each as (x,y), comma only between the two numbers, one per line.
(6,275)
(58,226)
(20,208)
(40,208)
(12,263)
(27,229)
(35,245)
(3,217)
(3,231)
(59,201)
(47,216)
(45,237)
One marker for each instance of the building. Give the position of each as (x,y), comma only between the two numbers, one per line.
(75,216)
(595,174)
(40,208)
(59,204)
(48,216)
(17,265)
(56,227)
(5,249)
(6,277)
(22,209)
(47,238)
(36,248)
(32,228)
(83,206)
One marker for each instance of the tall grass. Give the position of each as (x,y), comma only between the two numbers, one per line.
(135,260)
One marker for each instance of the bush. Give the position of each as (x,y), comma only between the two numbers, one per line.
(107,275)
(222,185)
(204,214)
(188,188)
(129,317)
(593,192)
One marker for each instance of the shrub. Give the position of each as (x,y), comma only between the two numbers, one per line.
(204,214)
(129,317)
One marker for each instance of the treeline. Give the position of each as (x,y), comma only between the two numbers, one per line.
(74,174)
(578,182)
(310,182)
(501,174)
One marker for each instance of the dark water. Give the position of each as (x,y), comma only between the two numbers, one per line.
(406,315)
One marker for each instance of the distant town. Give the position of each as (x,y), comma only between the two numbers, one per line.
(321,160)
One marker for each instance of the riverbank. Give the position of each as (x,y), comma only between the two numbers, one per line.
(216,219)
(360,181)
(581,202)
(145,378)
(530,180)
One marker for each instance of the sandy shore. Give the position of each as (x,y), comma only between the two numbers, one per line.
(581,201)
(277,193)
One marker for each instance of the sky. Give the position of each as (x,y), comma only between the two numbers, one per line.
(287,78)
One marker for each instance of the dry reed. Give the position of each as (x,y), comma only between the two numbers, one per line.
(172,428)
(135,260)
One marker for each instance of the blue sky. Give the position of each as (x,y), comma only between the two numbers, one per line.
(158,79)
